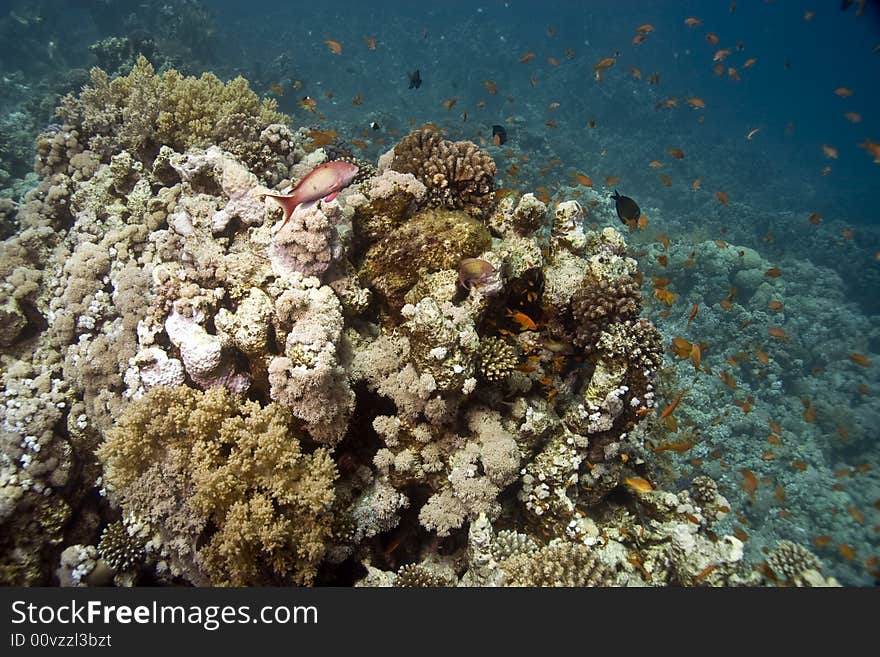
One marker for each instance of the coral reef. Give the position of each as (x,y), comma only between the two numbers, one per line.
(380,383)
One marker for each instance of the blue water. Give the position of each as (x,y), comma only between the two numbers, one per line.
(786,100)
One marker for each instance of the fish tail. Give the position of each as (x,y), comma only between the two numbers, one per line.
(287,202)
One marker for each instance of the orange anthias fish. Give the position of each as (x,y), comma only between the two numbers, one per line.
(859,359)
(334,46)
(638,484)
(676,153)
(693,314)
(669,409)
(607,62)
(371,43)
(696,103)
(873,149)
(527,57)
(843,92)
(722,197)
(525,322)
(830,152)
(692,21)
(750,482)
(325,182)
(696,355)
(583,179)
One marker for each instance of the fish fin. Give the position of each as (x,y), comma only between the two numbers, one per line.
(287,202)
(331,197)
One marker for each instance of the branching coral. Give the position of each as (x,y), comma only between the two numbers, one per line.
(260,505)
(143,111)
(457,174)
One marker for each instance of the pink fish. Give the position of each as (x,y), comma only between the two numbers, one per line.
(325,182)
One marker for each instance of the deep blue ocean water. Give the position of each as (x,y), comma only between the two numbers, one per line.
(813,63)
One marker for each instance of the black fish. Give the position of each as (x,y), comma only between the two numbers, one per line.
(499,135)
(627,209)
(415,79)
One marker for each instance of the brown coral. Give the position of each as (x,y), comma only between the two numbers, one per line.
(142,111)
(557,564)
(601,301)
(225,484)
(458,174)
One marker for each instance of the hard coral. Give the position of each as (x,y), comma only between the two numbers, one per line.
(225,485)
(430,241)
(457,174)
(143,111)
(601,301)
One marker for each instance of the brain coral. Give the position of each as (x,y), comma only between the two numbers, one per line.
(224,484)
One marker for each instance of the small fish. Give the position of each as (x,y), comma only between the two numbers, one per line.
(712,39)
(450,102)
(415,79)
(583,179)
(695,186)
(602,64)
(325,182)
(773,272)
(611,180)
(308,103)
(638,484)
(847,551)
(551,123)
(334,46)
(371,43)
(669,409)
(553,61)
(722,197)
(696,355)
(829,151)
(525,322)
(873,149)
(277,89)
(749,62)
(357,100)
(752,133)
(859,359)
(843,92)
(721,55)
(750,482)
(692,21)
(499,135)
(529,56)
(491,87)
(676,153)
(677,447)
(696,103)
(776,332)
(728,380)
(475,271)
(853,117)
(693,314)
(647,28)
